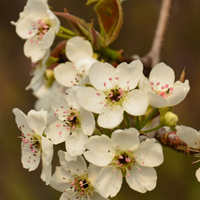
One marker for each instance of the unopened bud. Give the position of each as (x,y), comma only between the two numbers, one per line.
(169,119)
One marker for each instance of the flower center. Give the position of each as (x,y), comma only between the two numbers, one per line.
(124,160)
(116,95)
(41,28)
(82,187)
(164,91)
(72,119)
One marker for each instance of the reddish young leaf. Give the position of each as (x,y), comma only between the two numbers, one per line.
(110,16)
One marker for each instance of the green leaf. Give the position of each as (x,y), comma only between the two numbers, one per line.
(110,16)
(91,1)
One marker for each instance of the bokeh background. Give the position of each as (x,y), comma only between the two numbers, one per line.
(176,176)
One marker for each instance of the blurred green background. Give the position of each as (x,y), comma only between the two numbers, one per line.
(176,176)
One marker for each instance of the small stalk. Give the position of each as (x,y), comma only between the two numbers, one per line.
(153,129)
(150,116)
(67,31)
(63,36)
(126,120)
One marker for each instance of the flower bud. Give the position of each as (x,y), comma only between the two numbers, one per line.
(169,119)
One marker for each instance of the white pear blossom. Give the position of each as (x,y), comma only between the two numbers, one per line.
(192,138)
(79,52)
(113,92)
(75,123)
(74,179)
(34,145)
(124,155)
(39,25)
(38,73)
(161,89)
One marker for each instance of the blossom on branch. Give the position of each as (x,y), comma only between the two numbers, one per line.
(74,179)
(38,25)
(192,138)
(124,155)
(34,144)
(75,123)
(113,92)
(79,52)
(161,89)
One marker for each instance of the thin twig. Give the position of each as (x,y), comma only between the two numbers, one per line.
(153,57)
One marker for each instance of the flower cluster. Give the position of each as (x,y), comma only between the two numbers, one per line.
(99,110)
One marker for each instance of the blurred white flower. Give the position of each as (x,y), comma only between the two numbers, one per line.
(161,89)
(39,73)
(113,92)
(74,179)
(124,155)
(43,102)
(34,144)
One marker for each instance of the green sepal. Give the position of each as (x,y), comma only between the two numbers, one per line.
(51,60)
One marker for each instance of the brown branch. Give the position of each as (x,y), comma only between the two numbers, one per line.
(153,57)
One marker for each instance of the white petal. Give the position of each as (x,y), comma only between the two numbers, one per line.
(156,100)
(162,74)
(76,167)
(71,97)
(126,139)
(47,150)
(78,48)
(144,84)
(101,151)
(189,135)
(75,143)
(70,195)
(37,79)
(37,121)
(108,182)
(65,74)
(100,73)
(149,153)
(136,103)
(34,50)
(129,73)
(28,159)
(55,23)
(142,181)
(48,38)
(93,172)
(88,99)
(59,104)
(57,132)
(21,121)
(87,121)
(68,157)
(46,173)
(198,174)
(84,64)
(179,93)
(24,26)
(112,117)
(61,179)
(37,10)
